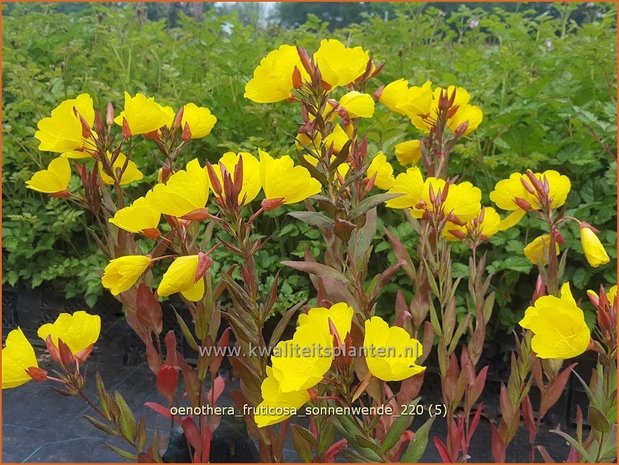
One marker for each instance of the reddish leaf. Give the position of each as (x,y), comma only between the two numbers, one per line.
(167,382)
(474,423)
(547,457)
(333,451)
(215,391)
(497,446)
(553,391)
(149,312)
(442,450)
(170,343)
(527,416)
(206,444)
(193,436)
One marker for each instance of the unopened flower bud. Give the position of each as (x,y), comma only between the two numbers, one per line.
(179,118)
(109,116)
(186,133)
(37,374)
(522,203)
(271,204)
(297,82)
(462,128)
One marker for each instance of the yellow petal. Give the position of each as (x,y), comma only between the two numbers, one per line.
(593,248)
(276,406)
(512,219)
(408,152)
(143,114)
(185,191)
(62,131)
(340,315)
(17,356)
(358,105)
(199,119)
(281,179)
(251,174)
(272,80)
(411,185)
(78,331)
(382,170)
(393,94)
(180,277)
(340,65)
(129,175)
(138,216)
(122,273)
(54,179)
(390,352)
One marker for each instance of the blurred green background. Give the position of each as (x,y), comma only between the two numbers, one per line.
(543,73)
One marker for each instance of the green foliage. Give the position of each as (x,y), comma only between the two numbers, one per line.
(544,75)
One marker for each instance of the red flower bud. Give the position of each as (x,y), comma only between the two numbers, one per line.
(271,204)
(522,203)
(126,130)
(167,382)
(151,233)
(462,128)
(215,184)
(37,374)
(204,263)
(297,81)
(199,214)
(179,118)
(186,133)
(109,116)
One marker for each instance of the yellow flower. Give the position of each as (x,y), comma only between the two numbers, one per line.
(199,119)
(54,180)
(390,353)
(421,105)
(338,137)
(62,132)
(340,65)
(558,326)
(593,248)
(137,217)
(277,406)
(251,174)
(408,152)
(483,226)
(122,273)
(79,331)
(144,115)
(538,250)
(358,105)
(463,200)
(272,81)
(393,94)
(511,194)
(185,191)
(342,168)
(383,171)
(340,314)
(416,102)
(17,356)
(302,362)
(282,180)
(181,277)
(410,184)
(131,173)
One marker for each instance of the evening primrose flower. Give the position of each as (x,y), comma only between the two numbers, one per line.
(272,80)
(144,115)
(340,315)
(390,352)
(410,185)
(276,405)
(337,138)
(558,326)
(62,132)
(137,217)
(54,180)
(185,191)
(538,250)
(340,65)
(417,102)
(483,226)
(463,200)
(382,172)
(199,119)
(592,247)
(408,152)
(181,277)
(357,104)
(131,173)
(17,357)
(393,94)
(121,273)
(280,179)
(512,195)
(302,362)
(251,174)
(610,295)
(79,331)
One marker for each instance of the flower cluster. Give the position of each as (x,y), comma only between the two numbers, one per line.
(70,340)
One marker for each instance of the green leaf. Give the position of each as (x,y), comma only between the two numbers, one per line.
(418,444)
(370,202)
(313,219)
